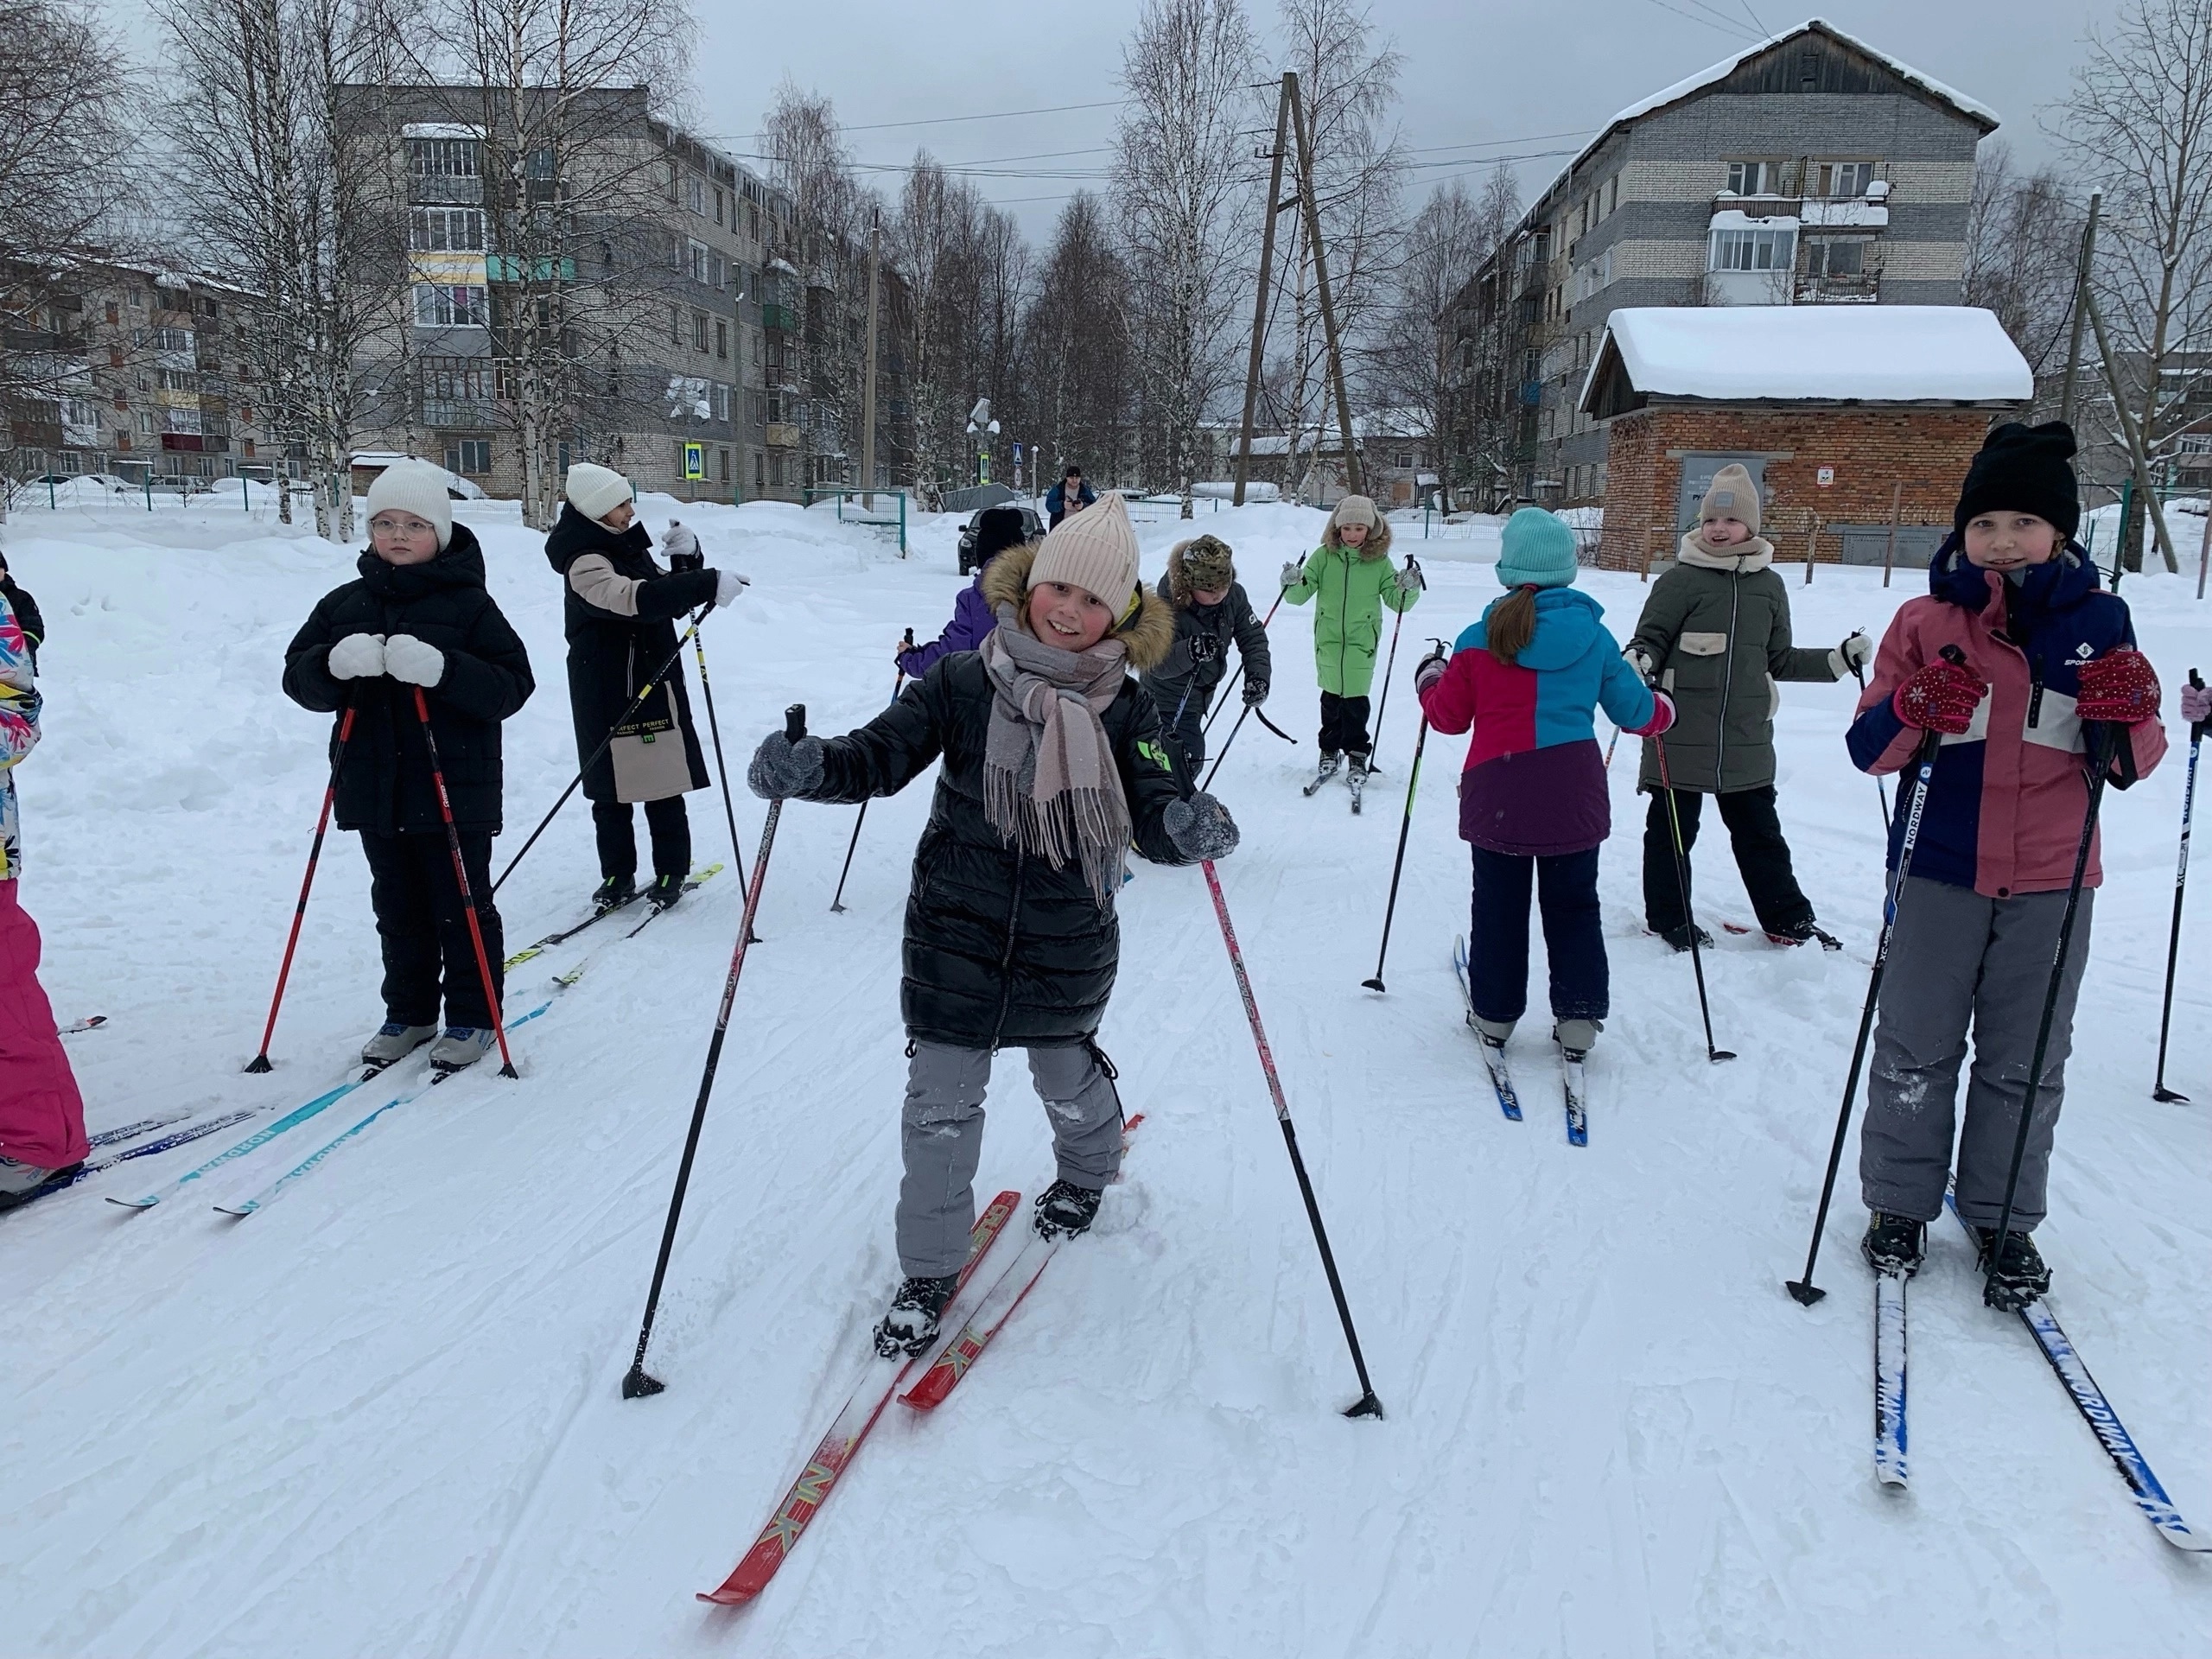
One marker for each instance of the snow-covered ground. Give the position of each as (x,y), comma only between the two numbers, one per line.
(383,1418)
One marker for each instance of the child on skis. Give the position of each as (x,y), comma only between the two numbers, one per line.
(1525,679)
(1052,768)
(418,615)
(41,1115)
(1211,612)
(996,530)
(1351,574)
(2051,672)
(1715,633)
(618,608)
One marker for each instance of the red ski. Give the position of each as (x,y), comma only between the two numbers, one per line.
(838,1448)
(996,1308)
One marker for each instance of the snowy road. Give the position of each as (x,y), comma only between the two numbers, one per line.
(382,1418)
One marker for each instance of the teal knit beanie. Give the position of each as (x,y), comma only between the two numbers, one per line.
(1538,550)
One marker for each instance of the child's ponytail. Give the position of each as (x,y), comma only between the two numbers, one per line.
(1511,624)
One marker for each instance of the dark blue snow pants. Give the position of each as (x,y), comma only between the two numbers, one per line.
(1574,938)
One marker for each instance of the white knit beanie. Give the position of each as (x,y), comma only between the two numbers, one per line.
(1356,509)
(596,491)
(1096,548)
(415,487)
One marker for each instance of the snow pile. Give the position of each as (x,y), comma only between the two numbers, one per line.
(382,1416)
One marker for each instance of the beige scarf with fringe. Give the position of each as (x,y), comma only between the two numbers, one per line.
(1049,777)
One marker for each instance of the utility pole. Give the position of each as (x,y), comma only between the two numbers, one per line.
(1353,482)
(868,374)
(2081,307)
(1275,205)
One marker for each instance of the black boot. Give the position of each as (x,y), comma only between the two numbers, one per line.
(1805,932)
(1894,1243)
(1679,938)
(664,891)
(1066,1211)
(615,892)
(2021,1276)
(910,1326)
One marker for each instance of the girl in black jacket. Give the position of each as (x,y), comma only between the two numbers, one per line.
(1052,768)
(418,615)
(619,607)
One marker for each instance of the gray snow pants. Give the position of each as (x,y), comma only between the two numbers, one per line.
(941,1135)
(1958,959)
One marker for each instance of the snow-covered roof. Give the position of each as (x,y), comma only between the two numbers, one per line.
(1728,65)
(1807,353)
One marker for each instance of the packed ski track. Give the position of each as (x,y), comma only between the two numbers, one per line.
(383,1417)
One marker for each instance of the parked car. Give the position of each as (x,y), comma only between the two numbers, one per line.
(1031,528)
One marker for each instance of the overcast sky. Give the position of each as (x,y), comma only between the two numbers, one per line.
(1480,79)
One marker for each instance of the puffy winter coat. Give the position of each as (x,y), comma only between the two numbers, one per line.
(1181,672)
(20,704)
(1535,782)
(1353,588)
(384,782)
(618,607)
(2006,798)
(971,621)
(1002,950)
(1056,502)
(1718,628)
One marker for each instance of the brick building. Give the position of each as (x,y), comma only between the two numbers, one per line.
(1851,420)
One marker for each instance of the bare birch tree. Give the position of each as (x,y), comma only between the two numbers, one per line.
(2023,241)
(1183,189)
(1080,353)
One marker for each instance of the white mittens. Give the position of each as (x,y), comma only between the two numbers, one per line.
(357,657)
(729,585)
(406,658)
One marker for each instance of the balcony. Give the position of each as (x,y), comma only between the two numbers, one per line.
(778,319)
(783,435)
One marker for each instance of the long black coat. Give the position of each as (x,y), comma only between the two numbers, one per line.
(612,650)
(1002,950)
(384,783)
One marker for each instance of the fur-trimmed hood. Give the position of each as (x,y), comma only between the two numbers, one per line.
(1149,634)
(1376,546)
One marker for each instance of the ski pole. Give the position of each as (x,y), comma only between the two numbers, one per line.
(1689,917)
(836,901)
(1367,1405)
(2103,742)
(461,879)
(2159,1092)
(636,1384)
(1390,667)
(714,729)
(1860,674)
(1239,675)
(1612,743)
(605,743)
(1405,828)
(259,1063)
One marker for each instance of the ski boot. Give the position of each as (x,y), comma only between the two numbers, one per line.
(2021,1275)
(1066,1211)
(394,1041)
(1679,938)
(1894,1243)
(910,1326)
(1805,932)
(1330,762)
(1576,1037)
(665,892)
(20,1182)
(1356,777)
(614,892)
(462,1047)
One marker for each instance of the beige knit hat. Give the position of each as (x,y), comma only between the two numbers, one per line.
(1096,548)
(1732,495)
(596,491)
(1356,509)
(415,487)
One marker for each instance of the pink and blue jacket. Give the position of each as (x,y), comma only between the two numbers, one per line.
(1534,783)
(2006,796)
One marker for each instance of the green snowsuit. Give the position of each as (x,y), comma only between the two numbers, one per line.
(1354,587)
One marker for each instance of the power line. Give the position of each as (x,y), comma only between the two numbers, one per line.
(1730,27)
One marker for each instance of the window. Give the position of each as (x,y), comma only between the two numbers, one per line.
(440,229)
(696,194)
(450,305)
(1612,194)
(1844,180)
(696,265)
(722,338)
(114,312)
(469,455)
(137,299)
(1835,256)
(715,270)
(675,325)
(718,204)
(698,331)
(722,401)
(540,164)
(147,423)
(165,339)
(443,158)
(722,455)
(759,469)
(175,380)
(184,422)
(1754,178)
(756,351)
(1752,249)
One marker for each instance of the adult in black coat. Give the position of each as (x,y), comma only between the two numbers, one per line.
(1071,488)
(619,606)
(419,616)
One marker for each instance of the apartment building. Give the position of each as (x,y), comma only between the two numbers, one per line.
(136,372)
(1808,170)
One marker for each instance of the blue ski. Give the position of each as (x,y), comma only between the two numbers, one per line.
(1889,1379)
(191,1132)
(1501,1079)
(261,1137)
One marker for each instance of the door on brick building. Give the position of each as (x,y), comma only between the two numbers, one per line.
(1697,468)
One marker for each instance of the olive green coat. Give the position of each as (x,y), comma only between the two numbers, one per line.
(1720,637)
(1353,588)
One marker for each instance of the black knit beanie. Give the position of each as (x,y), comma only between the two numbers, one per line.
(2024,469)
(996,530)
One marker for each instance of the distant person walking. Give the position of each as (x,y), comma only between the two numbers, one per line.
(1070,495)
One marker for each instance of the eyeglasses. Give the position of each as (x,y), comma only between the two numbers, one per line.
(382,525)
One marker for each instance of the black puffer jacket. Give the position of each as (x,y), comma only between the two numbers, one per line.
(613,644)
(1002,950)
(384,783)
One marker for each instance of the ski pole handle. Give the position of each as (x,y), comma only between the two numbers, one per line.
(795,722)
(1953,656)
(2196,731)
